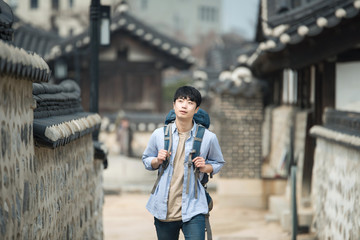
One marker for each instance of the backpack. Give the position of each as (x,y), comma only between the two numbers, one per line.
(202,120)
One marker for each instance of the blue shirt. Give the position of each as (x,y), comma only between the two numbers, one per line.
(191,206)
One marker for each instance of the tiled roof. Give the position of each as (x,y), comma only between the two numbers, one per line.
(310,24)
(226,51)
(239,82)
(124,22)
(339,126)
(18,62)
(290,30)
(34,39)
(59,117)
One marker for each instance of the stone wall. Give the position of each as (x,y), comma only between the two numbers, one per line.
(45,193)
(238,125)
(68,195)
(336,182)
(17,153)
(336,191)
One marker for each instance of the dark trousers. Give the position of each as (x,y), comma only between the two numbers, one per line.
(192,230)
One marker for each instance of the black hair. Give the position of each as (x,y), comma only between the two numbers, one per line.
(188,92)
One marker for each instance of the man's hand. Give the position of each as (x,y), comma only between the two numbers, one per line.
(199,162)
(161,157)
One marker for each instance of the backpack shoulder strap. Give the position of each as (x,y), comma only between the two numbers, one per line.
(200,130)
(199,134)
(167,137)
(196,152)
(167,146)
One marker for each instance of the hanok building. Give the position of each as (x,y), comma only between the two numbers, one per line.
(309,55)
(131,67)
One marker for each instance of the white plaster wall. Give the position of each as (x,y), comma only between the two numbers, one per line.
(348,86)
(282,117)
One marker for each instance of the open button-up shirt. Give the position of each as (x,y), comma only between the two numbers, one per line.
(191,206)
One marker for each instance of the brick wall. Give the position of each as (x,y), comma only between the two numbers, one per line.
(44,193)
(238,124)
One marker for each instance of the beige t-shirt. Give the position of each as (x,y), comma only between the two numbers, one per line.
(176,185)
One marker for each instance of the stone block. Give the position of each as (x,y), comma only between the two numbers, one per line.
(277,204)
(242,192)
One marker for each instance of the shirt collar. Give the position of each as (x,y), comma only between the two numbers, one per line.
(192,131)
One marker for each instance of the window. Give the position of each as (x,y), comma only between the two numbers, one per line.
(55,4)
(71,3)
(208,14)
(34,4)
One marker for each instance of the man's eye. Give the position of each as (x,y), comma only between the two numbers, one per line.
(191,103)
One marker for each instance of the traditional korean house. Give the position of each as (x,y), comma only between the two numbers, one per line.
(308,53)
(131,66)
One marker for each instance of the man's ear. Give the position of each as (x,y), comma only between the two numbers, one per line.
(197,109)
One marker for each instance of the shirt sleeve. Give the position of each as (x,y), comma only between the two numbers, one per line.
(151,151)
(215,157)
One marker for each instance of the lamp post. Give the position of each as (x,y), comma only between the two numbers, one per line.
(96,16)
(94,58)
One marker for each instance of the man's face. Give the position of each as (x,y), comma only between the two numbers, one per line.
(185,108)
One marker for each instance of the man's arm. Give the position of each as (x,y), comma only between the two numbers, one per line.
(215,157)
(150,153)
(200,163)
(214,161)
(156,162)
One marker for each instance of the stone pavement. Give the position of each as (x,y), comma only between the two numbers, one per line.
(127,186)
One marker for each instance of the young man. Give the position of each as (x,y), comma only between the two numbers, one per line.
(174,204)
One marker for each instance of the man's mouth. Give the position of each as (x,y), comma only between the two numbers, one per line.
(184,112)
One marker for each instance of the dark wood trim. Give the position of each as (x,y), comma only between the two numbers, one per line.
(297,14)
(308,158)
(304,88)
(324,89)
(352,55)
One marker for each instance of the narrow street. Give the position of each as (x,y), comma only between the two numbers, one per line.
(125,216)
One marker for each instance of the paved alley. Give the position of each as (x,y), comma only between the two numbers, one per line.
(128,186)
